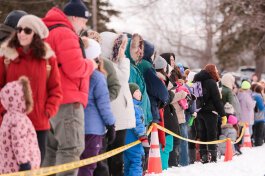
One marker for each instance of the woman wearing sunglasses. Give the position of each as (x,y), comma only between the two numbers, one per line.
(27,54)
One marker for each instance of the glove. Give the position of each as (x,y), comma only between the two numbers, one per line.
(144,141)
(111,133)
(25,166)
(224,120)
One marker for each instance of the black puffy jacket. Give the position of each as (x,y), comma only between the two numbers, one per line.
(211,94)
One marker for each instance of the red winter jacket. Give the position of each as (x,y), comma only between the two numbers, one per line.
(74,69)
(46,90)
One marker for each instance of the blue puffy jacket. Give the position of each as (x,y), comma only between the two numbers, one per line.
(98,112)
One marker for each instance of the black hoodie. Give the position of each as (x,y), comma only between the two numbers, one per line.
(211,94)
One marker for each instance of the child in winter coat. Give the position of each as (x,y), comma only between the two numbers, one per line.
(228,130)
(134,156)
(98,114)
(19,150)
(247,104)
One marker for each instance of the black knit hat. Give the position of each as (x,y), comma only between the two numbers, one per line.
(133,87)
(13,18)
(76,8)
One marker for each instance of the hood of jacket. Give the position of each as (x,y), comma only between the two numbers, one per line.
(149,50)
(202,76)
(13,53)
(12,97)
(56,16)
(136,40)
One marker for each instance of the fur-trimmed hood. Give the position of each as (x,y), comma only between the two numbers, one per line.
(16,96)
(12,53)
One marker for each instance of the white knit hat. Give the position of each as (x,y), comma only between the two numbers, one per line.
(160,62)
(93,50)
(107,44)
(228,80)
(36,24)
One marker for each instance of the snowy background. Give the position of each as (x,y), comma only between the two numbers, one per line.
(250,163)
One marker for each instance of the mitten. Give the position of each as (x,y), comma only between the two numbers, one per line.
(25,166)
(224,120)
(191,120)
(111,133)
(144,141)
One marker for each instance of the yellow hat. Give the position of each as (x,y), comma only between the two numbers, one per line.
(245,85)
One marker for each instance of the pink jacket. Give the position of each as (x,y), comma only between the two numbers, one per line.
(18,139)
(183,102)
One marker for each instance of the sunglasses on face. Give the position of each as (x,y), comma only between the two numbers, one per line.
(26,30)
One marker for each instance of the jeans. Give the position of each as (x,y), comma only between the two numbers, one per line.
(183,147)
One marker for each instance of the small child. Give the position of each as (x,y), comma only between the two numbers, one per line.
(229,130)
(19,150)
(98,114)
(134,156)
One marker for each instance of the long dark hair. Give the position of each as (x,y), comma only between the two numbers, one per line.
(37,46)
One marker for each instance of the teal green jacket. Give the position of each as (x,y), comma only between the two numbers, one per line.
(136,77)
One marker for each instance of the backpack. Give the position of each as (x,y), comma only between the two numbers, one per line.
(197,91)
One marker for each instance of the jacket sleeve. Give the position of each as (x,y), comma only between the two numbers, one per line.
(260,103)
(139,130)
(19,140)
(124,70)
(54,90)
(155,86)
(66,45)
(112,80)
(179,96)
(103,102)
(215,96)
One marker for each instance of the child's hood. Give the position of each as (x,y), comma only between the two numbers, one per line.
(14,98)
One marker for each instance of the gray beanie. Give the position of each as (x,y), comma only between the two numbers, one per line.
(160,63)
(36,24)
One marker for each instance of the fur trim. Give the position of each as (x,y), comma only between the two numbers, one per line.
(12,54)
(27,93)
(136,44)
(7,52)
(49,52)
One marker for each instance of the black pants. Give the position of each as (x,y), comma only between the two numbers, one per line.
(116,162)
(258,133)
(42,137)
(102,166)
(173,159)
(208,131)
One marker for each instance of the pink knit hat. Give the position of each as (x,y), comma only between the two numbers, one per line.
(232,120)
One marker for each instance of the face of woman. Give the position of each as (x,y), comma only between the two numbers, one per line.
(24,35)
(172,61)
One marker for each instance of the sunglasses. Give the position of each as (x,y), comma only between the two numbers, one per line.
(26,30)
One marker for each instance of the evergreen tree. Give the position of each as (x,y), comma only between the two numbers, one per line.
(40,8)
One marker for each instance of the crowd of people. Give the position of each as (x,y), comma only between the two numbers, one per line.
(68,93)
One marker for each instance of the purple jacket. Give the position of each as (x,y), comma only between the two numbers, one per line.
(247,106)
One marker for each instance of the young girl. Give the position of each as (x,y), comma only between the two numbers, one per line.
(98,115)
(228,130)
(19,148)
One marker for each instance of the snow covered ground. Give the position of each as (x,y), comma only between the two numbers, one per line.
(250,163)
